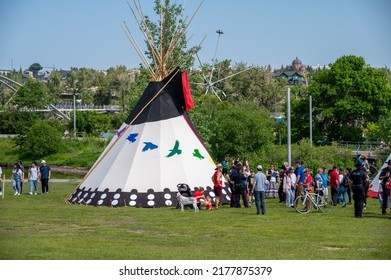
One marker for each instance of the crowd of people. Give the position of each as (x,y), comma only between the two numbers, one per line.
(338,185)
(35,173)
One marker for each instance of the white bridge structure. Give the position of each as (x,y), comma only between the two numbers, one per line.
(62,109)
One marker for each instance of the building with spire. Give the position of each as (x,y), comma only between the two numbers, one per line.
(294,74)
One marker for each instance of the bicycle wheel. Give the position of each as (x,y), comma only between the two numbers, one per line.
(300,205)
(326,205)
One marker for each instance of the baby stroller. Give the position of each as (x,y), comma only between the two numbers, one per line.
(184,190)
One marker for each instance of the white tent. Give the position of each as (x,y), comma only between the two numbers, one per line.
(156,149)
(374,186)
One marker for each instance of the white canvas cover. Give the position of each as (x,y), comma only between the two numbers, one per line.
(155,150)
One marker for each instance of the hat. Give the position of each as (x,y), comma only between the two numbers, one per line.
(388,161)
(43,161)
(259,167)
(299,161)
(218,166)
(358,162)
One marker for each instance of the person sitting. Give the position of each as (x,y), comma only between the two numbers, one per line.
(202,201)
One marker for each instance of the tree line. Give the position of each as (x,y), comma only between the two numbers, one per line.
(351,100)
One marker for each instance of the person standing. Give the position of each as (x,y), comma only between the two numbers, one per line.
(300,177)
(272,177)
(385,176)
(288,184)
(33,178)
(281,176)
(357,180)
(231,182)
(259,191)
(319,189)
(218,183)
(225,166)
(325,180)
(44,175)
(21,182)
(307,186)
(17,178)
(334,184)
(250,185)
(239,188)
(343,185)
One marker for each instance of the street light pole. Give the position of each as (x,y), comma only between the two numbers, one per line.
(74,115)
(311,120)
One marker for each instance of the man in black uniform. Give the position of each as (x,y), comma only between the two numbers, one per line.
(385,177)
(358,179)
(239,188)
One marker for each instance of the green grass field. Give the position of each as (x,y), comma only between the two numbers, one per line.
(44,227)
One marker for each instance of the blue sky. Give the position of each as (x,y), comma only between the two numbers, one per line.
(88,33)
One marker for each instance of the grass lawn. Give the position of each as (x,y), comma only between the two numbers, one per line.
(44,227)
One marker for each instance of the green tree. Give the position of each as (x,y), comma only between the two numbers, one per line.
(241,129)
(35,68)
(204,116)
(136,89)
(31,95)
(120,84)
(40,141)
(346,98)
(54,85)
(91,123)
(381,130)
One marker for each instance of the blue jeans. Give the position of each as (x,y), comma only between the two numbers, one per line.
(260,201)
(16,185)
(33,186)
(342,194)
(292,198)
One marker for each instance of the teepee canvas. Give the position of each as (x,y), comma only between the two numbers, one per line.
(156,149)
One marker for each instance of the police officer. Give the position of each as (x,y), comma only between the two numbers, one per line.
(357,180)
(385,175)
(238,178)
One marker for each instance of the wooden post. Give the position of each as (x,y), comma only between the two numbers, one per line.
(3,186)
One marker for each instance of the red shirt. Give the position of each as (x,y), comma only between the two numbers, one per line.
(334,176)
(198,195)
(308,183)
(218,182)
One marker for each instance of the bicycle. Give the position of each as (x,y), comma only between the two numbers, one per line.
(312,199)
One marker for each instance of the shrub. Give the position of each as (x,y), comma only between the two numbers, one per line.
(42,140)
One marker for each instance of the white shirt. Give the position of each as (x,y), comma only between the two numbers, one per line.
(33,173)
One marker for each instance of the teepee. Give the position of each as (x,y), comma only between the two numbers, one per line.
(156,148)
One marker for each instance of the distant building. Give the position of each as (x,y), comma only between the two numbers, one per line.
(4,72)
(28,74)
(294,74)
